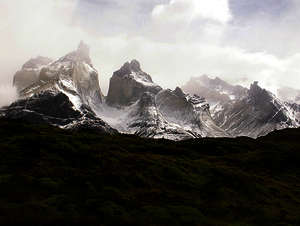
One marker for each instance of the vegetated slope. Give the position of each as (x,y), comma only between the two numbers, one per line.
(50,176)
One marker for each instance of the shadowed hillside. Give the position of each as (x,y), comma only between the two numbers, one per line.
(50,176)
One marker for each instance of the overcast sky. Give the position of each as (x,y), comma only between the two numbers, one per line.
(237,40)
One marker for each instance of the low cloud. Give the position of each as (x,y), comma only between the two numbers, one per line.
(189,10)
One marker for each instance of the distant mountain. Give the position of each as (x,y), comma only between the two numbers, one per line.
(214,90)
(128,84)
(242,112)
(61,93)
(66,93)
(289,94)
(145,109)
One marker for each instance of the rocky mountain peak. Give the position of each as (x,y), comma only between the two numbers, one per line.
(82,54)
(178,92)
(128,84)
(135,66)
(129,67)
(258,94)
(83,51)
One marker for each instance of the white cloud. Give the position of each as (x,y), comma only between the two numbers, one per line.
(189,10)
(49,30)
(33,27)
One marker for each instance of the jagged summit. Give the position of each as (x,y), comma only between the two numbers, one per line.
(63,93)
(82,54)
(66,93)
(128,84)
(72,74)
(135,65)
(259,95)
(178,92)
(131,68)
(83,48)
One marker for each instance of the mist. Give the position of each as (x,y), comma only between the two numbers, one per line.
(8,94)
(174,40)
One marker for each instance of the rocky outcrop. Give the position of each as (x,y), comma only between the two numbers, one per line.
(63,93)
(146,120)
(128,84)
(55,108)
(151,111)
(189,111)
(66,93)
(259,113)
(73,75)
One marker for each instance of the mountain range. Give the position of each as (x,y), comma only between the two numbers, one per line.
(66,93)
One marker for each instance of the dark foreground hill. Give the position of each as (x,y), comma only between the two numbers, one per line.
(50,176)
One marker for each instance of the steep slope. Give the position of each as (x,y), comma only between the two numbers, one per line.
(189,112)
(128,84)
(146,120)
(55,108)
(259,113)
(244,112)
(144,108)
(73,75)
(65,93)
(70,87)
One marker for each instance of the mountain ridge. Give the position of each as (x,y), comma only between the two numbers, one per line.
(137,105)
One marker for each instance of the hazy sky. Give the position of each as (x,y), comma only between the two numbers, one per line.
(238,40)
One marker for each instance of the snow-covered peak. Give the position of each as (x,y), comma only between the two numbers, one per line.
(128,84)
(133,67)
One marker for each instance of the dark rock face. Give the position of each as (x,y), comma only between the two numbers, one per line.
(66,93)
(63,93)
(147,121)
(264,103)
(55,109)
(128,84)
(73,74)
(240,111)
(255,115)
(29,73)
(158,113)
(188,111)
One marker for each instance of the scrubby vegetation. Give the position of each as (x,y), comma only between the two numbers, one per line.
(49,176)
